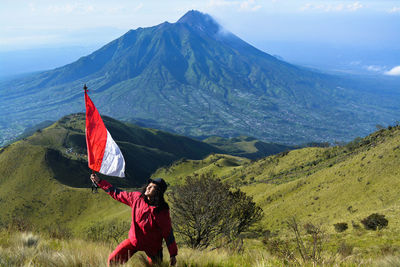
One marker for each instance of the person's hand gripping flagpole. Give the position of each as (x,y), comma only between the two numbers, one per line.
(104,155)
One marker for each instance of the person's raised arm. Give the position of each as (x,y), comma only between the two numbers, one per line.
(117,194)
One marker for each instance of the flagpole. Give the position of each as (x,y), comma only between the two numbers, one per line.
(104,155)
(94,185)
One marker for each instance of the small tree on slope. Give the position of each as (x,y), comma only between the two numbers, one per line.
(205,209)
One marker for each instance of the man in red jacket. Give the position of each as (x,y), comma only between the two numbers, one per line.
(151,222)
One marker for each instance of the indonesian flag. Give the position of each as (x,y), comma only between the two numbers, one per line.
(104,155)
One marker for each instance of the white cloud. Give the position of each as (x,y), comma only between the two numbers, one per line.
(71,8)
(394,9)
(246,5)
(374,68)
(221,3)
(355,63)
(354,6)
(338,7)
(394,71)
(249,5)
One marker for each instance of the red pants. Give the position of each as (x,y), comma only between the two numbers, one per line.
(125,250)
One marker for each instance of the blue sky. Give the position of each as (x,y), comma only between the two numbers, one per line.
(362,24)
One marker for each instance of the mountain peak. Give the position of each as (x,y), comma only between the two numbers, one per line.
(199,20)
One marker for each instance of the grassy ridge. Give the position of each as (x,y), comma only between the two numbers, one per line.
(320,185)
(144,150)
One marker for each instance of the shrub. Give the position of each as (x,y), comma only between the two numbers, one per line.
(205,209)
(375,221)
(341,227)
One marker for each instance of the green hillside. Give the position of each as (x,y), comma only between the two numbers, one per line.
(144,149)
(44,183)
(31,196)
(320,185)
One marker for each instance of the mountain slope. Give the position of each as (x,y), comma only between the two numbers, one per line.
(194,78)
(32,198)
(63,146)
(320,185)
(44,177)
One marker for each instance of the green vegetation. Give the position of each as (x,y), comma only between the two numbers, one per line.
(375,221)
(319,187)
(206,211)
(144,149)
(341,227)
(44,178)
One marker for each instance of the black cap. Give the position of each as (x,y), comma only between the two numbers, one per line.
(160,183)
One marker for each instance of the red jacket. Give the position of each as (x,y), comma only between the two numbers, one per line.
(148,227)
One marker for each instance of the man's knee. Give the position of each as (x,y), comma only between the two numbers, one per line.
(121,254)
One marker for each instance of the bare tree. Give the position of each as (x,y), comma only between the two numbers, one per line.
(309,248)
(308,241)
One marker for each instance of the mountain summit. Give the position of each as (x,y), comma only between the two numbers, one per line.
(194,78)
(201,21)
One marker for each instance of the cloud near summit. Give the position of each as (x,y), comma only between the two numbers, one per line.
(394,71)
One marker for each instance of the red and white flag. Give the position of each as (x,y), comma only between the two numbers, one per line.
(104,155)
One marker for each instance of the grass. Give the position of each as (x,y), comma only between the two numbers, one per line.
(31,249)
(27,249)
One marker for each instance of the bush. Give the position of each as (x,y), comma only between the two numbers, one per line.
(205,209)
(375,221)
(341,227)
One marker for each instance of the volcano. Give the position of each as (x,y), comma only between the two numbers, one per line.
(195,78)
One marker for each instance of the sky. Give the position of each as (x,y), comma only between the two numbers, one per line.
(275,25)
